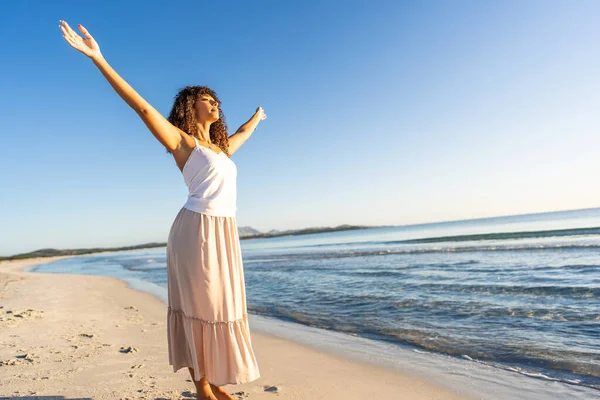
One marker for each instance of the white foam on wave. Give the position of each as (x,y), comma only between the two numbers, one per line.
(465,375)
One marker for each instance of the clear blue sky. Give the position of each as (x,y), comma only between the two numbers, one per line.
(383,112)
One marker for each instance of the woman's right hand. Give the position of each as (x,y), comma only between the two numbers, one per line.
(87,45)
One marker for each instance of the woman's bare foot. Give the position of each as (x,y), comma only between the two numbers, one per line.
(203,389)
(205,393)
(220,393)
(209,396)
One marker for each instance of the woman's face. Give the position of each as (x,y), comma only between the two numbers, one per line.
(207,109)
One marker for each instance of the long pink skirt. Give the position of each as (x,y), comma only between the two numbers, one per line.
(207,319)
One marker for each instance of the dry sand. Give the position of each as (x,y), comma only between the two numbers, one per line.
(88,337)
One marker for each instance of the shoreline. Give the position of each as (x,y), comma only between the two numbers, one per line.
(68,335)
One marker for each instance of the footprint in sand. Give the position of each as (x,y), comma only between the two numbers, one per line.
(133,317)
(128,349)
(14,317)
(82,339)
(21,359)
(133,371)
(271,389)
(175,395)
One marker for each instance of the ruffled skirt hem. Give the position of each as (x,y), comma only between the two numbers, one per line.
(220,350)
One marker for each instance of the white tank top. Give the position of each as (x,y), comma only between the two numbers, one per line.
(211,181)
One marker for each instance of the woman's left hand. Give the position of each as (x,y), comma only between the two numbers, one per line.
(260,113)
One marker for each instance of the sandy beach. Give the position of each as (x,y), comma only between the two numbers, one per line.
(75,336)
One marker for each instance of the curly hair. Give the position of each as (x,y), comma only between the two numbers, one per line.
(183,116)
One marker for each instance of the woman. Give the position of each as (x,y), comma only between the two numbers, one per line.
(207,321)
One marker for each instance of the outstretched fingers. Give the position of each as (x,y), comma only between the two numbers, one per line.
(67,31)
(67,37)
(84,31)
(68,28)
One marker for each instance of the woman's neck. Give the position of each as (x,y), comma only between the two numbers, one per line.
(203,131)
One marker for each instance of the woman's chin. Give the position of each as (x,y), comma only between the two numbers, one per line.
(209,118)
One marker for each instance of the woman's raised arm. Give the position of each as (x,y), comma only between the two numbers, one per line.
(169,135)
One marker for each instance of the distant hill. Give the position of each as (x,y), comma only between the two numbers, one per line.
(305,231)
(245,232)
(76,252)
